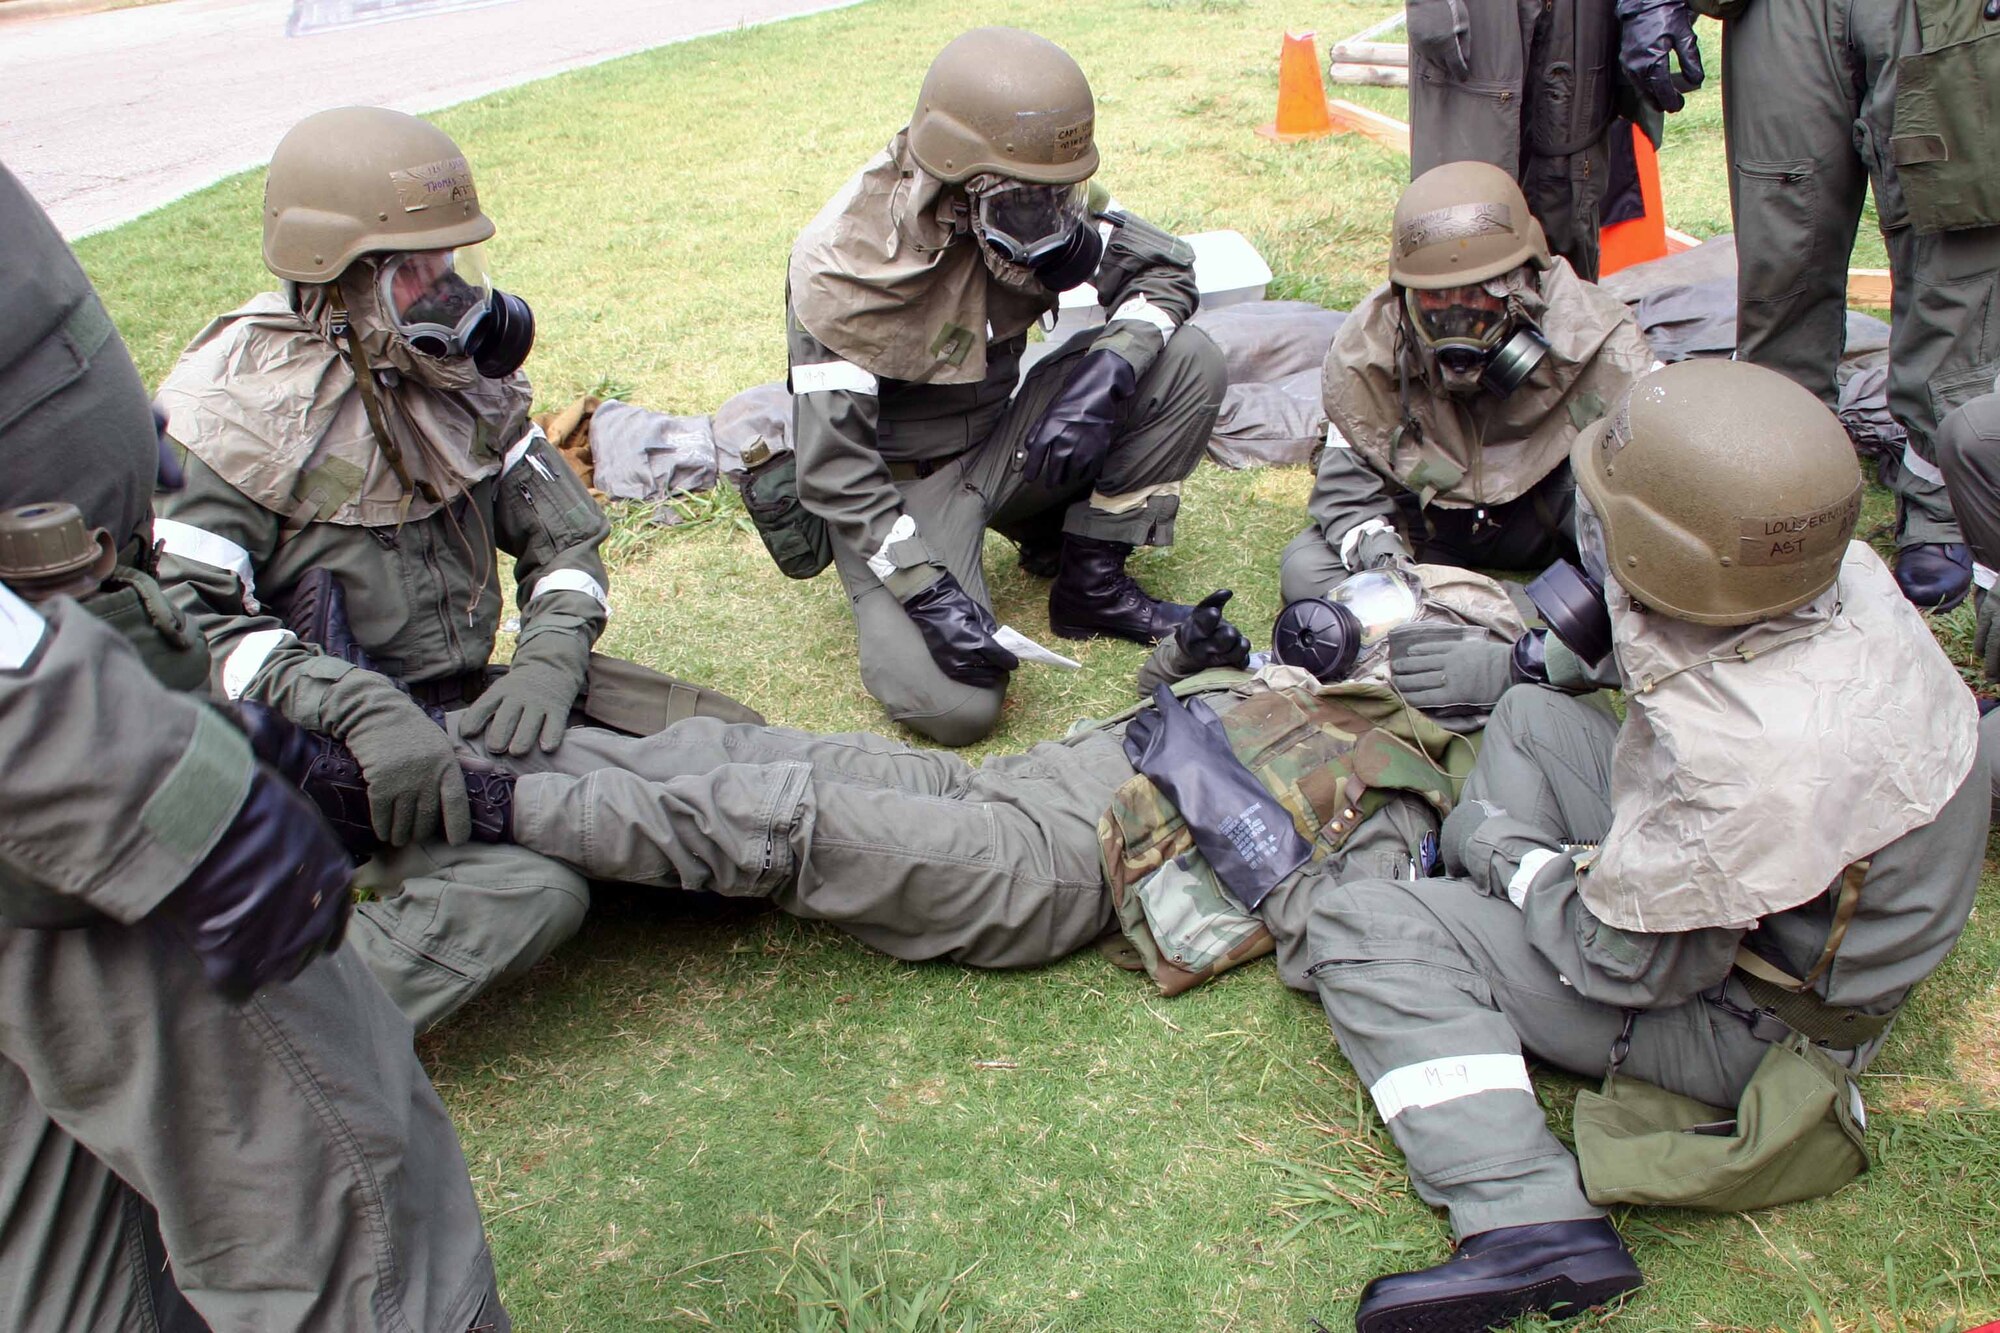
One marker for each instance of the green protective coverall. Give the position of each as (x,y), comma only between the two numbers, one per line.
(170,1161)
(1809,106)
(910,451)
(423,598)
(1438,989)
(1535,99)
(1477,481)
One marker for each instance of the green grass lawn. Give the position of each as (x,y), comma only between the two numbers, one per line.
(742,1122)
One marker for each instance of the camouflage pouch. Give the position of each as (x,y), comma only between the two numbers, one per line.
(1327,764)
(796,537)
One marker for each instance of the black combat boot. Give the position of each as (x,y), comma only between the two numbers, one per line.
(330,777)
(1093,596)
(1556,1268)
(317,614)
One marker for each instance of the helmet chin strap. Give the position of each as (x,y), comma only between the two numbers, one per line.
(378,425)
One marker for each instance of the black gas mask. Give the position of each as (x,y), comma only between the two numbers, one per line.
(1329,636)
(1571,600)
(1476,338)
(444,304)
(1043,228)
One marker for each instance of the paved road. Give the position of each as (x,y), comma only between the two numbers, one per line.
(106,116)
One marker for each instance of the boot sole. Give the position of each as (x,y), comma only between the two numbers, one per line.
(1077,632)
(1564,1295)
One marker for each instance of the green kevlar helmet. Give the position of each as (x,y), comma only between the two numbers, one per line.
(1461,223)
(363,180)
(1009,102)
(1726,492)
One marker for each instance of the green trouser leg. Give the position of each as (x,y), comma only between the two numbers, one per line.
(1968,454)
(304,1175)
(912,852)
(1803,151)
(1436,996)
(1166,427)
(450,923)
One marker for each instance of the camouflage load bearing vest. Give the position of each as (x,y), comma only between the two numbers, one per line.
(1331,756)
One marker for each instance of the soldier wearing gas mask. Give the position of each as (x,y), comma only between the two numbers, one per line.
(358,452)
(1741,881)
(213,1115)
(909,303)
(1453,393)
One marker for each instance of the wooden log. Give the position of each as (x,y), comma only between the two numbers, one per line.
(1368,76)
(1371,53)
(1383,129)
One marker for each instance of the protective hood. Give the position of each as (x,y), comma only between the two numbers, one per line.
(264,397)
(891,277)
(1480,449)
(1741,788)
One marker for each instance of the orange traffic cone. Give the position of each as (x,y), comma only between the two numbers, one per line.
(1302,112)
(1623,244)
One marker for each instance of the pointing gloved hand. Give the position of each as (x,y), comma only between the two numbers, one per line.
(530,705)
(960,634)
(1244,833)
(1074,433)
(1449,670)
(1440,31)
(414,785)
(1650,33)
(1202,641)
(271,895)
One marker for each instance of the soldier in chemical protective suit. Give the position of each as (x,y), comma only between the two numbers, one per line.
(1453,395)
(909,301)
(213,1115)
(1782,838)
(1968,453)
(362,436)
(1821,99)
(1535,90)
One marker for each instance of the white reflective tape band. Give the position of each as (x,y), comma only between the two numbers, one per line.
(247,658)
(1435,1081)
(520,449)
(21,630)
(1352,537)
(205,548)
(1920,469)
(826,376)
(1139,308)
(1984,575)
(882,563)
(572,580)
(1334,439)
(1524,874)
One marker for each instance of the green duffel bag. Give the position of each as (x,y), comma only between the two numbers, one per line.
(1945,140)
(1797,1133)
(796,537)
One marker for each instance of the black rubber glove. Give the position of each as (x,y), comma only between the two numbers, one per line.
(959,632)
(1650,32)
(270,897)
(1206,640)
(1244,833)
(1074,434)
(1441,31)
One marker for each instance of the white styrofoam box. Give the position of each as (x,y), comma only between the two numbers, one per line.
(1227,269)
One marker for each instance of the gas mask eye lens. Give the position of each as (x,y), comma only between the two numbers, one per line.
(1026,222)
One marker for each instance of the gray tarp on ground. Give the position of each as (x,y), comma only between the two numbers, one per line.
(644,455)
(1272,351)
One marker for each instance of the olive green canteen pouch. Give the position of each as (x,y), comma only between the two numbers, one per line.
(1796,1133)
(796,537)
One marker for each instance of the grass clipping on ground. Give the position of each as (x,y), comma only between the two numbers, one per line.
(744,1122)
